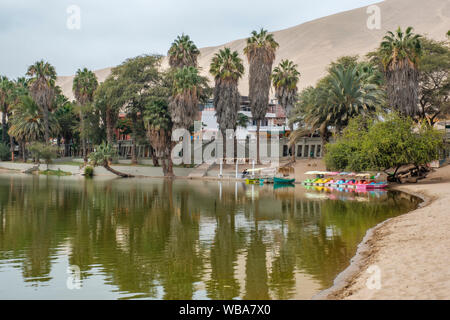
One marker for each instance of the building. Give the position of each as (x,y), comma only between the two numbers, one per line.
(275,121)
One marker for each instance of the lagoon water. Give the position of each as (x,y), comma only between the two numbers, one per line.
(76,238)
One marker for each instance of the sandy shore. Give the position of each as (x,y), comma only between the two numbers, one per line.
(410,252)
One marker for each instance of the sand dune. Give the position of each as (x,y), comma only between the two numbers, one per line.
(313,45)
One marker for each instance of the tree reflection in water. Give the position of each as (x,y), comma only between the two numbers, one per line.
(144,237)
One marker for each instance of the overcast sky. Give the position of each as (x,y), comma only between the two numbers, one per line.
(113,30)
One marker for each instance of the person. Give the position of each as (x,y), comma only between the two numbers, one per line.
(245,173)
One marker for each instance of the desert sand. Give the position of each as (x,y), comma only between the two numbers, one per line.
(411,252)
(313,45)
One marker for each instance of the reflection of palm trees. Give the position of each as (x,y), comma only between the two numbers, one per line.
(256,287)
(141,236)
(183,261)
(224,252)
(30,232)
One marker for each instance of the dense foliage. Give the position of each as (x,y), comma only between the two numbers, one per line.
(381,144)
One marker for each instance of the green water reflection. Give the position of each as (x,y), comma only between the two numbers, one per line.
(179,240)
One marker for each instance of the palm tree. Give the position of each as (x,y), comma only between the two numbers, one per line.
(285,77)
(102,157)
(242,120)
(6,88)
(84,85)
(350,94)
(401,53)
(159,130)
(183,53)
(344,94)
(66,116)
(227,69)
(188,89)
(260,52)
(20,89)
(27,123)
(41,86)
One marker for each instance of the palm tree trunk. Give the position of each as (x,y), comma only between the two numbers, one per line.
(24,155)
(258,125)
(154,157)
(46,128)
(4,128)
(120,174)
(170,173)
(83,140)
(11,144)
(66,147)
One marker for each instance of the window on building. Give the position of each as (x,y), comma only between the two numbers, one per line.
(299,151)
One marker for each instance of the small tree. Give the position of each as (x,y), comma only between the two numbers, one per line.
(102,157)
(41,151)
(392,142)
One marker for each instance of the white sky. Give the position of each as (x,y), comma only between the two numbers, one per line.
(113,30)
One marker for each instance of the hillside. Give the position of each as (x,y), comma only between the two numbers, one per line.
(313,45)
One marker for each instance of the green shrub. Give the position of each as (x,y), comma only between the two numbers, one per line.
(58,173)
(88,171)
(42,151)
(383,144)
(5,153)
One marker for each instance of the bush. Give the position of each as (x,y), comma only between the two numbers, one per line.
(5,153)
(384,144)
(88,171)
(58,173)
(43,151)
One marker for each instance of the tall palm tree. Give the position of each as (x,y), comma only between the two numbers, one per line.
(260,52)
(6,90)
(84,85)
(183,52)
(188,90)
(227,69)
(67,119)
(344,94)
(285,78)
(350,94)
(41,86)
(159,130)
(401,52)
